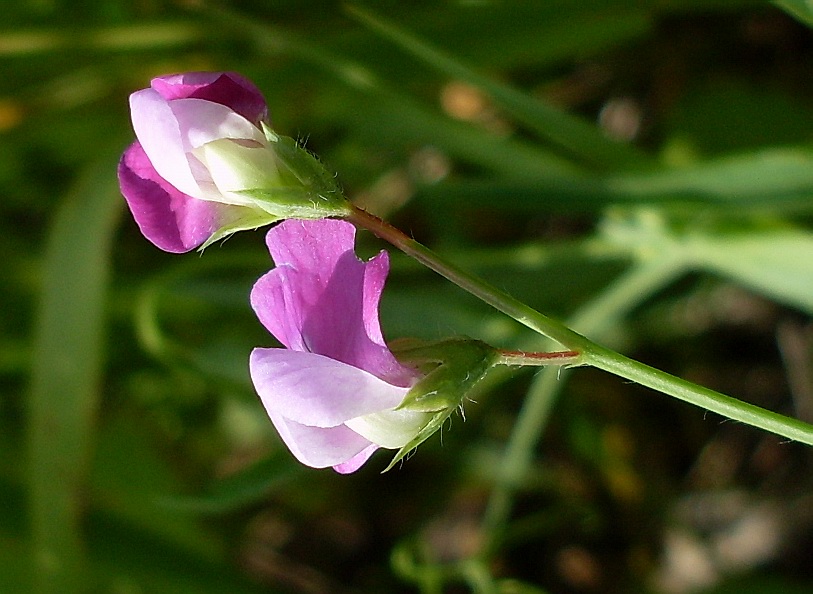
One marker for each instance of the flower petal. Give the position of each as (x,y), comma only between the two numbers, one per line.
(159,134)
(201,122)
(356,462)
(318,391)
(320,447)
(323,299)
(390,428)
(167,217)
(170,130)
(227,88)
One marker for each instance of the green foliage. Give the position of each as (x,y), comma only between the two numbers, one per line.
(641,169)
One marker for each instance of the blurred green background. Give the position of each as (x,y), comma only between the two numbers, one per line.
(642,169)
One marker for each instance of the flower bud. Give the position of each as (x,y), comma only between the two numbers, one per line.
(206,165)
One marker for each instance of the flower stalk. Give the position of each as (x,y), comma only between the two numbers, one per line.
(543,359)
(589,352)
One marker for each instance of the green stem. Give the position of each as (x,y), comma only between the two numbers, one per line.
(476,286)
(711,400)
(592,353)
(612,304)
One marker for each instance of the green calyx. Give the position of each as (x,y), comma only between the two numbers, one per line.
(303,188)
(452,367)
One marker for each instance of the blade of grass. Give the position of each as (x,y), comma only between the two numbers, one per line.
(583,140)
(777,264)
(609,307)
(67,365)
(772,179)
(406,119)
(800,9)
(122,38)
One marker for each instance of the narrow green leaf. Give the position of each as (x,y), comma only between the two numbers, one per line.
(800,9)
(405,121)
(67,364)
(778,264)
(583,140)
(247,487)
(386,111)
(773,178)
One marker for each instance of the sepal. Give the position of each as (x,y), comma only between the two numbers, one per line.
(304,188)
(250,220)
(453,368)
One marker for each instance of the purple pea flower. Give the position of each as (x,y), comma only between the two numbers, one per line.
(200,143)
(332,392)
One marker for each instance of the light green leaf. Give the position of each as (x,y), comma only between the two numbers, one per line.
(801,9)
(67,366)
(778,264)
(771,178)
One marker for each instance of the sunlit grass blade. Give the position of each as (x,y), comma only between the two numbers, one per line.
(122,38)
(582,140)
(777,264)
(773,179)
(67,365)
(801,9)
(395,115)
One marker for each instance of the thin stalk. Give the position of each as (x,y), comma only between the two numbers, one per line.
(523,358)
(735,409)
(612,304)
(592,353)
(625,293)
(500,300)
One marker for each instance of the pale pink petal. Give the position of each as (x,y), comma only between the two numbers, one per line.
(170,131)
(318,391)
(320,447)
(159,134)
(201,121)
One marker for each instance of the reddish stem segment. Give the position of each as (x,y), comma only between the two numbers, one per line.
(535,358)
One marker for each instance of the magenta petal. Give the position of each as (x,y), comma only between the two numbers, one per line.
(275,301)
(167,217)
(319,447)
(323,299)
(184,84)
(357,461)
(305,255)
(227,88)
(318,391)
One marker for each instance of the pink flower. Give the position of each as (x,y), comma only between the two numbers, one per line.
(200,143)
(331,393)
